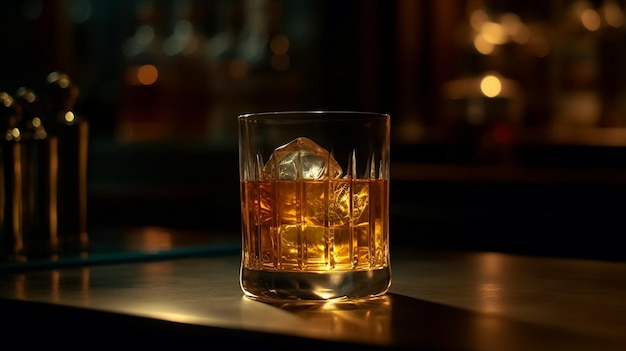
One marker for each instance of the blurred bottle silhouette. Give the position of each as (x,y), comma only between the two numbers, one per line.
(26,233)
(39,180)
(11,185)
(68,135)
(43,183)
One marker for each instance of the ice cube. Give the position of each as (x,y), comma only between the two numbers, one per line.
(301,158)
(347,201)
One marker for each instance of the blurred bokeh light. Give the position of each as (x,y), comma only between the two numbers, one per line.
(478,90)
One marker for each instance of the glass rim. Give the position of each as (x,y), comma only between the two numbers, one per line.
(276,114)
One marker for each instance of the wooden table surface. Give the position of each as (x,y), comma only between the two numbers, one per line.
(439,300)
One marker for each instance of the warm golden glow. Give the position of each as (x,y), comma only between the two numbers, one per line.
(482,45)
(55,285)
(82,182)
(151,239)
(18,196)
(6,99)
(147,74)
(85,278)
(590,19)
(61,79)
(69,117)
(521,35)
(14,134)
(36,122)
(515,29)
(53,181)
(491,86)
(52,77)
(477,18)
(26,94)
(493,33)
(368,319)
(489,288)
(490,295)
(613,14)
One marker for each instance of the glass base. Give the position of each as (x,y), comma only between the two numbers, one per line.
(313,286)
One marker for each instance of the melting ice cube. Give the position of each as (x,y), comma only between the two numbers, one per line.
(301,158)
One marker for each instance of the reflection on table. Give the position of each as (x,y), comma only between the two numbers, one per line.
(438,300)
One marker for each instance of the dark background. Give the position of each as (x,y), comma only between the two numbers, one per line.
(524,172)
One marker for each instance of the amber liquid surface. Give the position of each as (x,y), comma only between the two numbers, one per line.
(315,238)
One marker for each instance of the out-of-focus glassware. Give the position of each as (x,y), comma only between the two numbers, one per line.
(68,132)
(11,179)
(39,179)
(43,186)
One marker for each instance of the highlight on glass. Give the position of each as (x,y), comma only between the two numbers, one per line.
(314,205)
